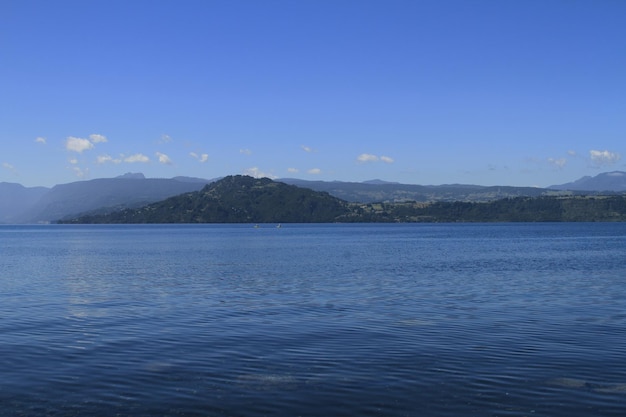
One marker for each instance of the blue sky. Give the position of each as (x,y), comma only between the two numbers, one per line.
(525,93)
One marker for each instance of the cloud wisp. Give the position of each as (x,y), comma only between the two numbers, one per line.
(257,173)
(131,159)
(163,158)
(366,157)
(80,172)
(557,162)
(137,158)
(202,158)
(95,138)
(9,167)
(603,158)
(79,145)
(103,159)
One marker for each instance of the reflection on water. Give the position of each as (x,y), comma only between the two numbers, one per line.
(429,320)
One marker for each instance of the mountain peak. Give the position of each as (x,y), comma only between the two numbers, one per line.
(132,176)
(379,182)
(614,181)
(236,199)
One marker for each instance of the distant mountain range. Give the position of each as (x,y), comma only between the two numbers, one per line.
(608,181)
(380,191)
(19,204)
(243,199)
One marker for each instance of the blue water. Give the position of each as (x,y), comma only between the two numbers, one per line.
(313,320)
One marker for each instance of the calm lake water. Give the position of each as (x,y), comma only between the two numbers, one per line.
(313,320)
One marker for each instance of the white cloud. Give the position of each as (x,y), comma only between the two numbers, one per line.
(202,157)
(257,173)
(604,157)
(559,163)
(164,159)
(41,140)
(103,159)
(571,153)
(314,171)
(307,149)
(73,161)
(137,158)
(10,168)
(366,157)
(80,173)
(245,151)
(293,170)
(165,138)
(95,138)
(77,144)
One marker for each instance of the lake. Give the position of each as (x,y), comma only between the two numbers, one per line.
(313,320)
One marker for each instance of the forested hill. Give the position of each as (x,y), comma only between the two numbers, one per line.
(520,209)
(243,199)
(235,199)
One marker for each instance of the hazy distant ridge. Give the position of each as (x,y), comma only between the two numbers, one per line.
(15,200)
(380,191)
(39,204)
(19,204)
(243,199)
(614,181)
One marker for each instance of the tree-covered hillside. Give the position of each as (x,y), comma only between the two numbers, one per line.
(243,199)
(520,209)
(235,199)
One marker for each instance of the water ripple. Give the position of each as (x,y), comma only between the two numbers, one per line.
(217,321)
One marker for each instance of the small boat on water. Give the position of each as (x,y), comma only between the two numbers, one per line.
(278,226)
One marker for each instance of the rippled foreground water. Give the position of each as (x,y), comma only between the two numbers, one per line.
(313,320)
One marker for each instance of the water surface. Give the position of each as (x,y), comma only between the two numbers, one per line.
(311,320)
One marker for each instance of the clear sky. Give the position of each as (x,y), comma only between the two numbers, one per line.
(525,93)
